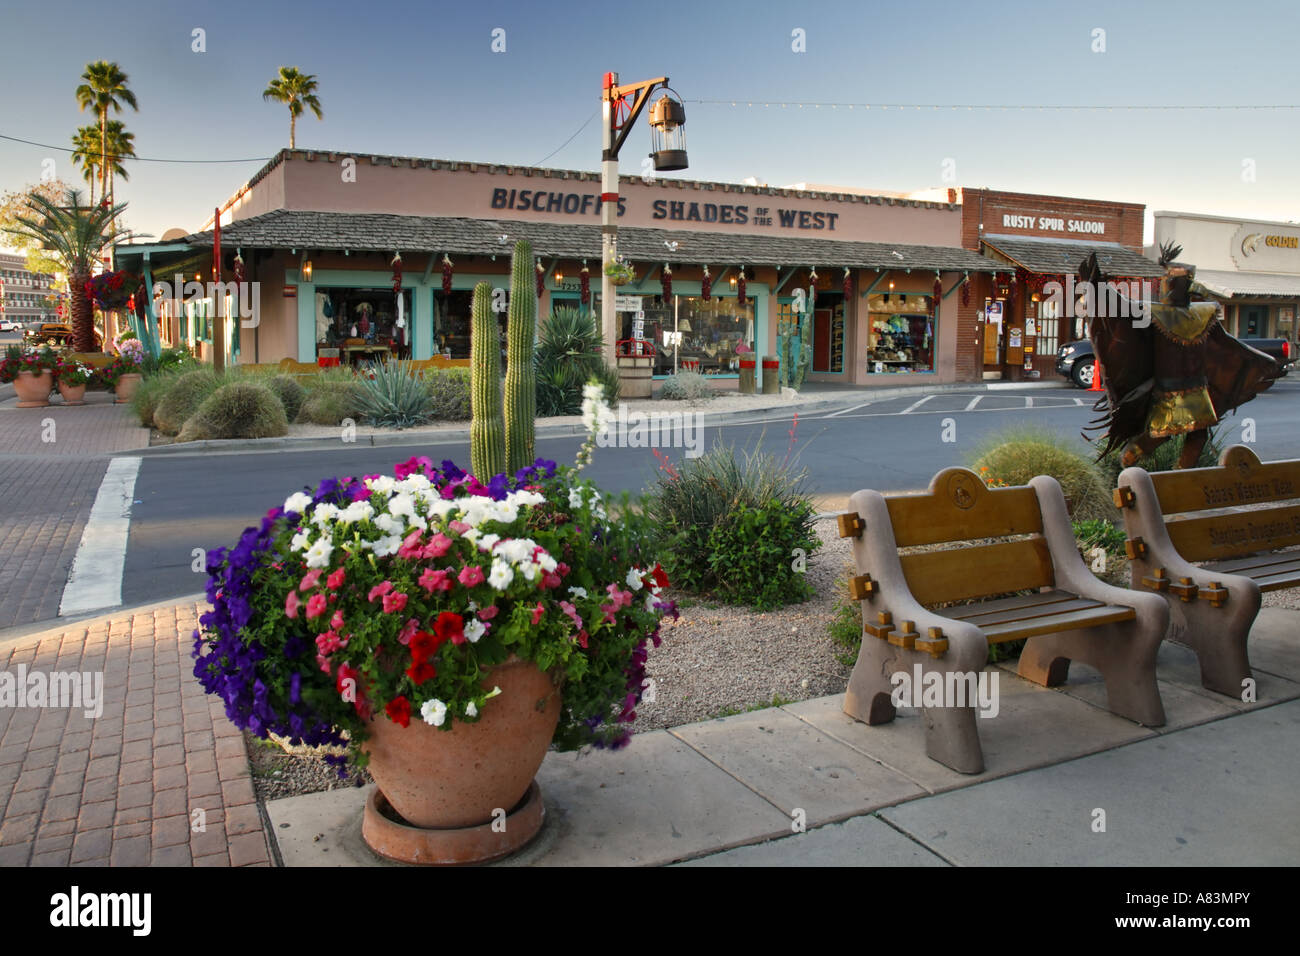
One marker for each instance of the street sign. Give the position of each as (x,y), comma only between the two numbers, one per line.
(627,303)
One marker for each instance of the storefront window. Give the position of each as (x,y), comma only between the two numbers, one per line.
(711,331)
(363,324)
(1049,326)
(902,330)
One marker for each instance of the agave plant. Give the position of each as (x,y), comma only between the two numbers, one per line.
(76,235)
(395,396)
(567,358)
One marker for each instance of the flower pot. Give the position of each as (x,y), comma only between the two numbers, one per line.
(73,394)
(33,390)
(126,386)
(469,775)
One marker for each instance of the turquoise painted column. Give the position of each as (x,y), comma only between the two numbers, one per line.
(306,318)
(421,324)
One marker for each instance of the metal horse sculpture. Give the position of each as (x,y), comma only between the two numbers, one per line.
(1170,368)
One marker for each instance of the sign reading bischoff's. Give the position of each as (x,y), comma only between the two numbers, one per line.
(739,214)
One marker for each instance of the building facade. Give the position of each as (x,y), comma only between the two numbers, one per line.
(25,295)
(1252,267)
(728,266)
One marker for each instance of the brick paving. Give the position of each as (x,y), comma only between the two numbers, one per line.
(48,490)
(132,786)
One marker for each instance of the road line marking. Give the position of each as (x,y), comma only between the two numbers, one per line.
(1029,401)
(1079,401)
(844,411)
(96,578)
(973,402)
(916,405)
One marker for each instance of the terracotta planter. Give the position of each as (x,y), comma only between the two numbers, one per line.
(33,391)
(437,778)
(126,386)
(73,394)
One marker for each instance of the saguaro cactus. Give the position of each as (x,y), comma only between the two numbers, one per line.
(487,449)
(521,379)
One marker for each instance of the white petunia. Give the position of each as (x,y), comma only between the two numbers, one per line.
(357,511)
(487,542)
(546,562)
(528,570)
(441,507)
(578,592)
(318,555)
(323,514)
(299,540)
(386,545)
(634,579)
(500,576)
(471,710)
(384,484)
(527,498)
(434,712)
(390,525)
(650,600)
(401,504)
(297,502)
(506,512)
(575,497)
(474,629)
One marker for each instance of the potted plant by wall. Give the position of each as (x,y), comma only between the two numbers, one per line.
(620,271)
(72,379)
(32,372)
(446,631)
(130,359)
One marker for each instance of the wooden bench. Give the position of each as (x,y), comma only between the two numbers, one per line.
(438,362)
(1196,538)
(1071,615)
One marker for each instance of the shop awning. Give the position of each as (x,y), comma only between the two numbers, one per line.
(1062,257)
(1229,284)
(376,232)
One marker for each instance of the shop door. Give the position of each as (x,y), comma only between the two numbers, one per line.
(993,335)
(821,361)
(1254,319)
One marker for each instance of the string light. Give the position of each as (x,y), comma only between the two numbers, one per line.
(1041,107)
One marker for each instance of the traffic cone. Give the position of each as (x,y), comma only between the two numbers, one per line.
(1096,376)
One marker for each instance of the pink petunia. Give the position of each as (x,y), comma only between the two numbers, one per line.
(609,611)
(410,548)
(550,580)
(538,612)
(459,527)
(487,613)
(328,642)
(408,631)
(470,575)
(379,590)
(438,545)
(309,580)
(315,605)
(394,603)
(572,611)
(291,605)
(336,579)
(582,639)
(337,620)
(432,580)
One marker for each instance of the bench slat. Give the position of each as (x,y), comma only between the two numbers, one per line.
(1244,566)
(960,573)
(998,618)
(1277,576)
(938,518)
(1090,617)
(1235,534)
(1038,599)
(1240,480)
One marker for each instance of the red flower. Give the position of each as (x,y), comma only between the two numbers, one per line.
(660,577)
(421,672)
(450,627)
(399,711)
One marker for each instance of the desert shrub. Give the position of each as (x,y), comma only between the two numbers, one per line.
(686,386)
(732,529)
(288,391)
(238,409)
(449,393)
(1163,458)
(567,358)
(331,396)
(151,391)
(170,359)
(188,391)
(393,396)
(1012,458)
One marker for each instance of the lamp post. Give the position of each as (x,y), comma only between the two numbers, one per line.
(668,142)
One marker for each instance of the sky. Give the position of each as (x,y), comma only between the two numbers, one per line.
(421,79)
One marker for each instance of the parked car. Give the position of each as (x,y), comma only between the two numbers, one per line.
(11,325)
(1077,361)
(57,334)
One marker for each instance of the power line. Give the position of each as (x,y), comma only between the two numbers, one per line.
(785,104)
(139,159)
(567,141)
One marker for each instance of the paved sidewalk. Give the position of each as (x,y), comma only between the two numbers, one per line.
(52,461)
(159,778)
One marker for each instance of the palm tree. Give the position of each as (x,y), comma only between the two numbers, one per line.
(121,145)
(104,89)
(76,235)
(85,153)
(297,90)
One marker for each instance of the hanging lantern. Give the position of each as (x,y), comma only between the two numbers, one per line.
(541,279)
(667,132)
(740,286)
(848,284)
(446,275)
(706,284)
(397,273)
(584,284)
(667,282)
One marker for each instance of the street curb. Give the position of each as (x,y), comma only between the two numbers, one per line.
(460,434)
(59,625)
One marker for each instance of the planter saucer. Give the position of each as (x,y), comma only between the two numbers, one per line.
(391,837)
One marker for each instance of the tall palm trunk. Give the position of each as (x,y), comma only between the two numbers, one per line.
(79,304)
(103,152)
(292,121)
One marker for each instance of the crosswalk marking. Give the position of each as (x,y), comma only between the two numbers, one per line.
(973,402)
(845,411)
(916,405)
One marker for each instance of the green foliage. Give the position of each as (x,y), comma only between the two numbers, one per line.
(1164,458)
(686,386)
(521,378)
(168,360)
(487,440)
(778,700)
(449,394)
(567,358)
(394,396)
(1015,456)
(182,399)
(332,395)
(732,529)
(1099,534)
(151,391)
(238,409)
(289,392)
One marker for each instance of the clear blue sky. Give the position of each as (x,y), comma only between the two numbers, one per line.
(420,79)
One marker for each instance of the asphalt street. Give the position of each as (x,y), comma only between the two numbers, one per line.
(190,501)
